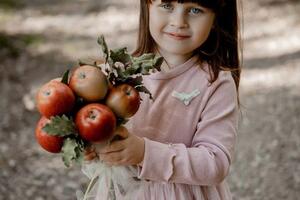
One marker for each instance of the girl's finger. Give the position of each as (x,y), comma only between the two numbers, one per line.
(89,149)
(122,131)
(90,156)
(113,157)
(113,147)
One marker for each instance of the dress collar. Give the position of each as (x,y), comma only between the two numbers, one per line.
(173,72)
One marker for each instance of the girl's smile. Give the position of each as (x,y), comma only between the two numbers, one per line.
(177,36)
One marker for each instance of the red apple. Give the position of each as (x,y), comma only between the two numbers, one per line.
(89,82)
(124,100)
(50,143)
(95,122)
(55,98)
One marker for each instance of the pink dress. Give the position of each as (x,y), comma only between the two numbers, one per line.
(190,133)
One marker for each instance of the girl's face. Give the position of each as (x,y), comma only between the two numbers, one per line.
(179,28)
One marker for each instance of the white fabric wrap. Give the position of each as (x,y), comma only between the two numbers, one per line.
(109,182)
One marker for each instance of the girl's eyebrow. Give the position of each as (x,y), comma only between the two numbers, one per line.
(191,4)
(196,5)
(188,4)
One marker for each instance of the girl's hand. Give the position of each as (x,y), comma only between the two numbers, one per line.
(128,151)
(90,153)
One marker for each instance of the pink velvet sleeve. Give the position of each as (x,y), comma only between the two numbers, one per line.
(208,159)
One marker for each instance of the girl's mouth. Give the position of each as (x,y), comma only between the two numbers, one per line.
(177,36)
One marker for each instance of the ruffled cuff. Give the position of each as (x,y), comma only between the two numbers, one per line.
(158,161)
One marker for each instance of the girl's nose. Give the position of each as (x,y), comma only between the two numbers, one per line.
(178,20)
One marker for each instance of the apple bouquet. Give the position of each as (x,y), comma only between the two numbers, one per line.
(90,101)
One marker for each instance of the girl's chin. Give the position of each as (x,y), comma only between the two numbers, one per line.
(177,52)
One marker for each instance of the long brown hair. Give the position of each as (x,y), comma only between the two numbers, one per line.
(221,50)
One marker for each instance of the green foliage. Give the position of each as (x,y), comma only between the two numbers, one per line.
(60,126)
(102,43)
(121,67)
(120,55)
(73,146)
(72,150)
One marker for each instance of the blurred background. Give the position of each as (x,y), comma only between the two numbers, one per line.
(40,39)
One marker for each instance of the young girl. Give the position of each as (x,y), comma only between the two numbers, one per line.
(182,142)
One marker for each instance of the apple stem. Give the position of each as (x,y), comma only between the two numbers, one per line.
(82,75)
(92,115)
(47,93)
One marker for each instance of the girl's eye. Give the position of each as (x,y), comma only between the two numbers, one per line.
(166,6)
(196,11)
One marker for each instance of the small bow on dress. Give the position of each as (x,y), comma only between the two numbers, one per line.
(186,98)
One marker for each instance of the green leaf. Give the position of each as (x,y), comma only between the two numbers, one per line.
(146,56)
(73,150)
(102,43)
(131,70)
(134,81)
(79,155)
(60,126)
(158,62)
(146,67)
(69,151)
(65,77)
(146,63)
(120,55)
(142,88)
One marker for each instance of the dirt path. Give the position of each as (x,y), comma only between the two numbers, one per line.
(46,37)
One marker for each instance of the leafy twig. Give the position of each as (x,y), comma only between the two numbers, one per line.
(102,43)
(60,126)
(124,68)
